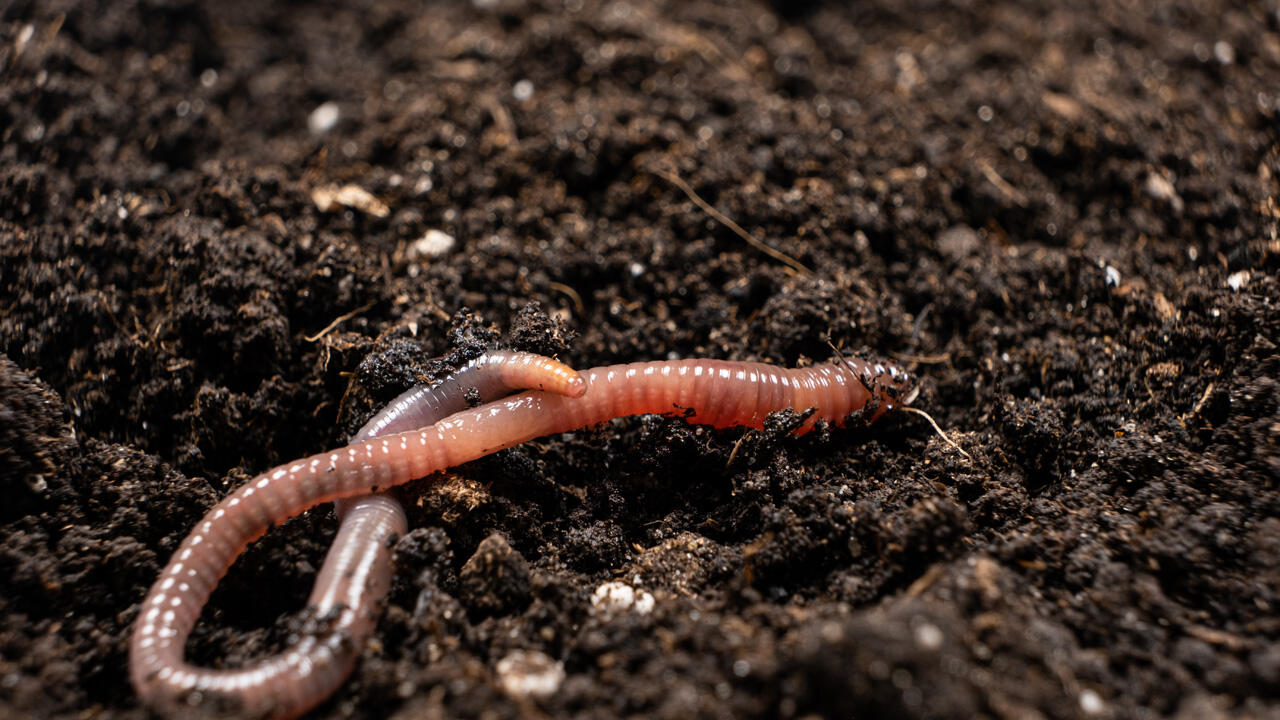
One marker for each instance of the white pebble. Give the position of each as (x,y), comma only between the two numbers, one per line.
(1223,52)
(24,36)
(522,90)
(618,597)
(1237,281)
(928,636)
(1091,703)
(434,244)
(1158,187)
(323,118)
(1113,277)
(529,674)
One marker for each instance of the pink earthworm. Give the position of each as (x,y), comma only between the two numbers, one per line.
(357,570)
(710,392)
(492,375)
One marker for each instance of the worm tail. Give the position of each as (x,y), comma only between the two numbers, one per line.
(357,571)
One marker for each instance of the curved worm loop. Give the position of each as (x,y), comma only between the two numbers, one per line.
(493,374)
(350,587)
(712,392)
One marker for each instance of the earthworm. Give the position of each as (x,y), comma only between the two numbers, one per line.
(710,392)
(357,570)
(491,375)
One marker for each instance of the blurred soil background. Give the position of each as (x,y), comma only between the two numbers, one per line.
(229,231)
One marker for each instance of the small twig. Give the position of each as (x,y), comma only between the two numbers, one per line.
(838,353)
(938,430)
(341,319)
(923,582)
(937,359)
(102,300)
(1012,193)
(570,293)
(671,177)
(1208,390)
(734,453)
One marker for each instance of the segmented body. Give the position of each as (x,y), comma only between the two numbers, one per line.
(352,582)
(711,392)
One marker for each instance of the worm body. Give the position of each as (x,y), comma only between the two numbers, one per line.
(711,392)
(493,374)
(352,582)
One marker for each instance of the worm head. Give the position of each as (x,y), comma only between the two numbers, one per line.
(904,383)
(889,386)
(894,386)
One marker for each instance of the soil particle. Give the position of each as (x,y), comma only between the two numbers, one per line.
(495,580)
(906,660)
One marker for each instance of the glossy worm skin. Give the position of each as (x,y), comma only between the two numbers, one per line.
(354,579)
(492,375)
(710,392)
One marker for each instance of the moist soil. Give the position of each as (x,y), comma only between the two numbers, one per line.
(1062,221)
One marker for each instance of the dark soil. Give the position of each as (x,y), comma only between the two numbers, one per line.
(1064,221)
